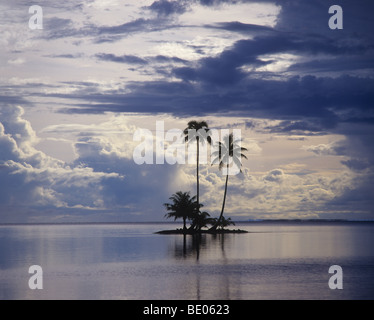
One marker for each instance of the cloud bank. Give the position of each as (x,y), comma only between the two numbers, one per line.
(104,183)
(302,94)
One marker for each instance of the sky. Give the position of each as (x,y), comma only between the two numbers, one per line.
(73,94)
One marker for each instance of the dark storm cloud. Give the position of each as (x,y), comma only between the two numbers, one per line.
(225,68)
(308,17)
(224,84)
(356,164)
(303,127)
(245,28)
(357,200)
(337,64)
(306,103)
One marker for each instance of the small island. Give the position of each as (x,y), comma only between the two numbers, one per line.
(193,232)
(184,206)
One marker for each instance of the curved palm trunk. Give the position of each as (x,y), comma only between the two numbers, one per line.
(223,204)
(197,174)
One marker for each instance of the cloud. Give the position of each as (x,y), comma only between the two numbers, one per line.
(56,28)
(225,69)
(31,179)
(310,17)
(332,149)
(318,104)
(299,79)
(65,56)
(18,129)
(355,200)
(8,145)
(142,186)
(358,64)
(105,179)
(129,59)
(357,164)
(16,62)
(171,7)
(166,8)
(302,127)
(232,80)
(102,34)
(244,28)
(11,99)
(59,28)
(275,175)
(275,194)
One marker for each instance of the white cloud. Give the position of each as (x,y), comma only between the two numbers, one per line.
(16,62)
(276,175)
(115,135)
(244,12)
(31,178)
(275,194)
(321,149)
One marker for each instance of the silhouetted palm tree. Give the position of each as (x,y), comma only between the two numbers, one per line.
(201,220)
(198,131)
(225,223)
(229,149)
(182,207)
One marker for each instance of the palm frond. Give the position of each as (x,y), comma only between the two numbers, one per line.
(229,149)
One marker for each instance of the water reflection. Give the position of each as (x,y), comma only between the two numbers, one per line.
(272,261)
(200,251)
(189,247)
(192,246)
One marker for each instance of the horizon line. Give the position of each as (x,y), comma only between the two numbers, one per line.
(173,222)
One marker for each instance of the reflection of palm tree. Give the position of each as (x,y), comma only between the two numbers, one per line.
(198,131)
(230,149)
(182,207)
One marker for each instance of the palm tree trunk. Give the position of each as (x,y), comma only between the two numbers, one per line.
(224,198)
(224,202)
(197,174)
(184,223)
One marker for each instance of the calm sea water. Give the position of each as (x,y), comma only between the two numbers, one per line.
(129,261)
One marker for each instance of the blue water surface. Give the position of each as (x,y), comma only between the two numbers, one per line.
(275,260)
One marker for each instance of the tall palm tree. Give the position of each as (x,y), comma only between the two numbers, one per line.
(230,149)
(182,207)
(198,131)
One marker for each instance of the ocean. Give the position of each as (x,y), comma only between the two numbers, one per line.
(274,260)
